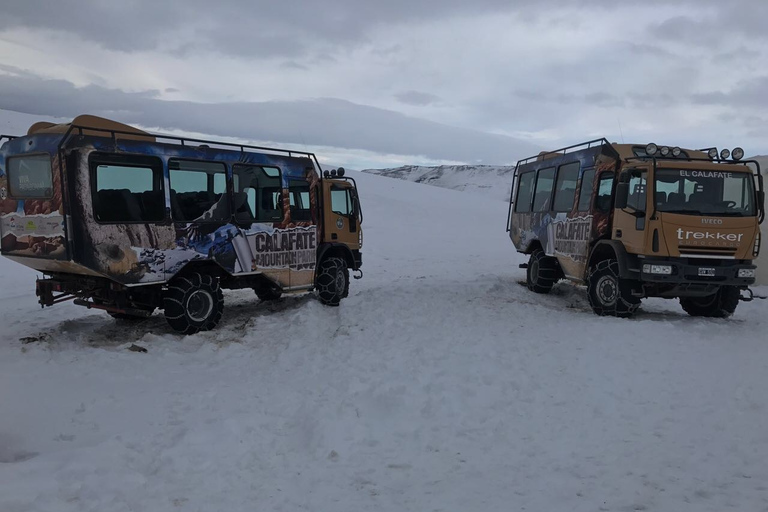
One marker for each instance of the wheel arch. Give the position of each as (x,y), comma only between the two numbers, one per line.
(336,250)
(607,249)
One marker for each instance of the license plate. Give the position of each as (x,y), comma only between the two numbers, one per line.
(706,272)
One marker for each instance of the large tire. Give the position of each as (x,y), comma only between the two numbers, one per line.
(608,294)
(543,272)
(193,303)
(720,305)
(332,281)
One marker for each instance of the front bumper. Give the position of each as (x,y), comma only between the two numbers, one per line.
(710,272)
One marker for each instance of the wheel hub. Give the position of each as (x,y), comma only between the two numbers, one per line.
(199,305)
(607,290)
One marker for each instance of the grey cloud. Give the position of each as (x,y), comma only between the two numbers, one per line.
(416,98)
(319,122)
(738,17)
(748,93)
(256,28)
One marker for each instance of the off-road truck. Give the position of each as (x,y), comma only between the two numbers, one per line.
(126,221)
(634,221)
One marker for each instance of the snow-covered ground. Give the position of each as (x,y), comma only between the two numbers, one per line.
(441,383)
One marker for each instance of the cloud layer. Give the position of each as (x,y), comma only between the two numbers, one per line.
(486,81)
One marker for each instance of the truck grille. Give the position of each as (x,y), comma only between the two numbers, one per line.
(707,252)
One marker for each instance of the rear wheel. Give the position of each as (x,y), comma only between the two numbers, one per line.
(610,295)
(332,281)
(720,305)
(543,272)
(194,302)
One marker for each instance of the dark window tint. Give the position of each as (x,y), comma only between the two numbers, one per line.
(544,180)
(127,189)
(604,192)
(198,191)
(637,191)
(565,191)
(340,200)
(258,193)
(30,176)
(585,194)
(524,191)
(300,206)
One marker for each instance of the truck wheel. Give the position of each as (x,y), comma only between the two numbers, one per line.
(332,281)
(720,305)
(542,273)
(194,302)
(608,294)
(270,292)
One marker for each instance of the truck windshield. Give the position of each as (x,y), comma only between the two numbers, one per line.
(705,192)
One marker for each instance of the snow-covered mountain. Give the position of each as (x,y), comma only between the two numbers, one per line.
(490,180)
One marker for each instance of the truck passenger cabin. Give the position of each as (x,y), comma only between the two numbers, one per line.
(126,221)
(633,221)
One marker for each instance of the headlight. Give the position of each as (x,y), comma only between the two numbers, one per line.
(657,269)
(676,151)
(664,151)
(756,247)
(724,154)
(737,153)
(712,153)
(651,149)
(746,272)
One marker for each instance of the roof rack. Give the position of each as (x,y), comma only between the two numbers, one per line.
(602,141)
(183,141)
(690,159)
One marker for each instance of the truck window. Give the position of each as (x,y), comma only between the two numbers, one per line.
(604,196)
(300,207)
(544,180)
(524,191)
(193,191)
(127,189)
(637,190)
(585,194)
(565,189)
(258,193)
(340,200)
(30,177)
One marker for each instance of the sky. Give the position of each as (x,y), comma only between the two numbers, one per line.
(381,84)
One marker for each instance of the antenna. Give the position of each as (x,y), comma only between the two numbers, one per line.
(620,131)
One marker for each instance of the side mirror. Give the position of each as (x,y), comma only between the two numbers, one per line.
(622,192)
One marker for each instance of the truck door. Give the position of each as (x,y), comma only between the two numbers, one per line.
(341,222)
(629,223)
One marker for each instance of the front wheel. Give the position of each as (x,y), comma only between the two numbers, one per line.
(193,303)
(332,281)
(720,305)
(608,294)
